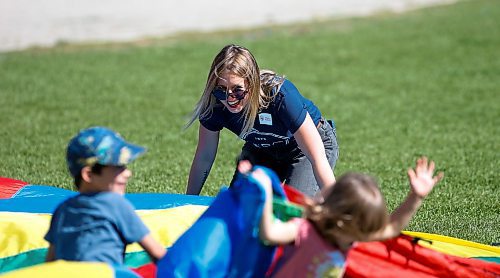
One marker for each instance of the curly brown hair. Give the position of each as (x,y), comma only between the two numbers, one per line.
(355,206)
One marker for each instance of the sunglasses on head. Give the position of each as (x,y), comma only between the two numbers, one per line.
(223,94)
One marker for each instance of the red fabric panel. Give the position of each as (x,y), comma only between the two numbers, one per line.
(294,196)
(9,187)
(403,257)
(146,271)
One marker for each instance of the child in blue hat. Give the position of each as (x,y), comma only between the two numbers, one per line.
(98,223)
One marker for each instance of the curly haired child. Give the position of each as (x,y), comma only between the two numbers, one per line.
(353,210)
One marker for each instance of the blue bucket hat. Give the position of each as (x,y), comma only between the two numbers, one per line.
(99,145)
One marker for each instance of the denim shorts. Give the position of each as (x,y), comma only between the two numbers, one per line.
(290,163)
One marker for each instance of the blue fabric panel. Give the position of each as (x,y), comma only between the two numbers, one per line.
(45,199)
(224,241)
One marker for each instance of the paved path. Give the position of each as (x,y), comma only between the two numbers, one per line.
(25,23)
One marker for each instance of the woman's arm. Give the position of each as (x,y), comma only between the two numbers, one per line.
(310,143)
(152,247)
(208,141)
(422,181)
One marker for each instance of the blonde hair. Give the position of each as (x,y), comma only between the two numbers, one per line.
(355,206)
(239,61)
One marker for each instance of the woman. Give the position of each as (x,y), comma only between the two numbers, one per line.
(282,130)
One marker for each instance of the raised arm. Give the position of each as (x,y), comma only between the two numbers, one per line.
(310,143)
(152,247)
(422,181)
(208,141)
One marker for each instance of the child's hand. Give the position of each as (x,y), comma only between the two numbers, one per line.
(264,180)
(245,167)
(422,179)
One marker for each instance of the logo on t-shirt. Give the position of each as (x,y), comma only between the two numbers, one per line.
(265,119)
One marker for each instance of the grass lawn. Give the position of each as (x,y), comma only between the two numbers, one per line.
(398,86)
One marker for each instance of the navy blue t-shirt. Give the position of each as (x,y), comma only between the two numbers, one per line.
(95,227)
(274,125)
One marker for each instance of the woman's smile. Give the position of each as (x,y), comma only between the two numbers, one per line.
(237,97)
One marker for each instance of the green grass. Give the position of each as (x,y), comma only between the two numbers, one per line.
(398,86)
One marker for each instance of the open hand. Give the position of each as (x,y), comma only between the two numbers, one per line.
(422,179)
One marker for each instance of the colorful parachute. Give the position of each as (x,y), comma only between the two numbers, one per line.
(25,216)
(25,212)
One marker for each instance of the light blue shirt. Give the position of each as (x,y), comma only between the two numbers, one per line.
(95,227)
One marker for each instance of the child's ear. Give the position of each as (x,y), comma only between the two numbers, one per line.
(86,173)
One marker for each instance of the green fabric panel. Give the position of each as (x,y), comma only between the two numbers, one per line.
(489,259)
(33,257)
(37,256)
(137,259)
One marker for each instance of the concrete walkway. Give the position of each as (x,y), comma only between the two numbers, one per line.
(26,23)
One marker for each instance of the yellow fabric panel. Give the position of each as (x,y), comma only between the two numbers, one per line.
(167,225)
(22,232)
(454,246)
(61,269)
